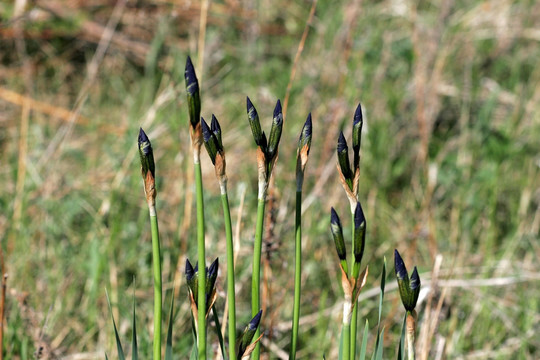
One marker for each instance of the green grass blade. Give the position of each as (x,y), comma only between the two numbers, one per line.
(121,355)
(134,347)
(383,282)
(194,351)
(379,349)
(363,347)
(401,348)
(218,332)
(379,342)
(168,346)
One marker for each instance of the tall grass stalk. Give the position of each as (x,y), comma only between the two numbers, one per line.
(304,145)
(355,269)
(214,146)
(409,290)
(351,285)
(201,296)
(256,277)
(410,335)
(230,274)
(267,153)
(350,178)
(194,105)
(156,259)
(148,174)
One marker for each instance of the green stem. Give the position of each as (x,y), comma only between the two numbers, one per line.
(354,320)
(346,341)
(156,259)
(411,328)
(201,298)
(230,275)
(256,276)
(297,273)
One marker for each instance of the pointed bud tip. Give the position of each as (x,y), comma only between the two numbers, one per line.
(188,62)
(216,128)
(334,218)
(214,266)
(277,111)
(189,270)
(342,143)
(205,130)
(358,118)
(359,217)
(401,270)
(308,127)
(142,136)
(192,84)
(254,323)
(415,279)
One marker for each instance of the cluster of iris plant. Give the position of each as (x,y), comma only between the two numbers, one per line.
(201,280)
(352,280)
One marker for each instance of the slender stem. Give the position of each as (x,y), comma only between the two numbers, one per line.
(411,329)
(297,274)
(355,269)
(230,275)
(346,341)
(201,298)
(256,276)
(156,259)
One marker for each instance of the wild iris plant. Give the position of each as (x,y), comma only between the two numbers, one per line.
(201,280)
(352,285)
(304,145)
(409,289)
(194,106)
(148,172)
(214,146)
(350,179)
(267,153)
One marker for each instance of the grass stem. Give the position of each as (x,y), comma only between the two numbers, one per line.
(156,259)
(256,277)
(346,340)
(201,298)
(230,274)
(411,329)
(355,270)
(297,274)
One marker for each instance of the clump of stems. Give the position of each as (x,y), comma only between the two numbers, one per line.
(350,178)
(194,105)
(304,145)
(192,280)
(353,282)
(148,174)
(214,146)
(267,153)
(409,290)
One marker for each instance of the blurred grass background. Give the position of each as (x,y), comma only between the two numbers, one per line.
(450,165)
